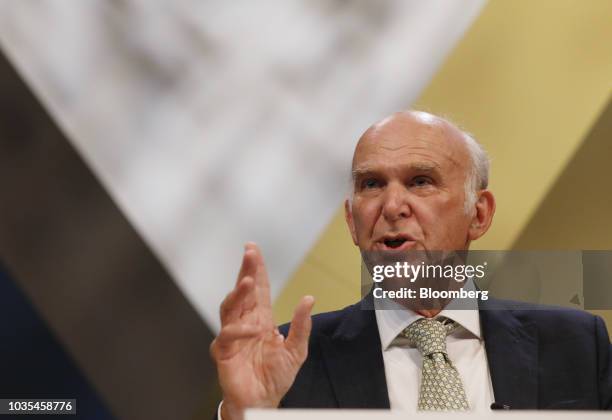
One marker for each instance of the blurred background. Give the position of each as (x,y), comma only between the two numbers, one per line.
(143,142)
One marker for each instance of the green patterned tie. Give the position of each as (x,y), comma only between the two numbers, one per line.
(441,387)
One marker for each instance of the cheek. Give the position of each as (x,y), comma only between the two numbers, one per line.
(447,225)
(365,216)
(439,216)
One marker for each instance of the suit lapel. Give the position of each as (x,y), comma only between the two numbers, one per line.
(354,362)
(512,352)
(353,359)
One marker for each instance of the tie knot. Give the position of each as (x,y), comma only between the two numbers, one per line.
(428,335)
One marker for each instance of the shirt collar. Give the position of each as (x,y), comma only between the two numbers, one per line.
(391,322)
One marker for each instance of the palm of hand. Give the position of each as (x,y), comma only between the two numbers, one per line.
(256,365)
(261,369)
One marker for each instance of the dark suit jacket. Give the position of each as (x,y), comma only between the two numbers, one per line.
(539,358)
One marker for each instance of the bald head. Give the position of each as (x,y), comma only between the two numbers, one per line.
(422,132)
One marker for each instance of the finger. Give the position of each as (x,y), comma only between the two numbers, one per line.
(261,304)
(229,339)
(237,300)
(301,324)
(238,331)
(249,303)
(248,266)
(262,281)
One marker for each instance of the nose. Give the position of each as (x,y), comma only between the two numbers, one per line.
(396,205)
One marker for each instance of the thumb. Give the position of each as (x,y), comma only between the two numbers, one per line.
(301,324)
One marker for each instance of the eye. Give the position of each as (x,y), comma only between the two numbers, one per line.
(421,181)
(370,183)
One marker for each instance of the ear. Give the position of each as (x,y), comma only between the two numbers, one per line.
(483,216)
(348,216)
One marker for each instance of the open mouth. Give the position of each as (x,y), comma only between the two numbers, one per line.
(400,242)
(394,243)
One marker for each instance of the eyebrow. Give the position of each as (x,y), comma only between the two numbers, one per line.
(426,167)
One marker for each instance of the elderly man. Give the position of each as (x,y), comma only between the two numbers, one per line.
(419,183)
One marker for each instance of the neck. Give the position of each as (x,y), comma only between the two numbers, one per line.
(428,313)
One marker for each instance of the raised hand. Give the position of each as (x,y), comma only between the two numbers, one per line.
(255,363)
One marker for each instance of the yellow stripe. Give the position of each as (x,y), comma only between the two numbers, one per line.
(529,79)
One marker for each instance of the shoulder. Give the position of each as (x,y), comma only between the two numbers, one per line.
(555,314)
(554,320)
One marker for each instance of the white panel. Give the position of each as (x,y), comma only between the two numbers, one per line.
(212,122)
(432,415)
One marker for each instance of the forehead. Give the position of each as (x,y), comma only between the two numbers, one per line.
(408,139)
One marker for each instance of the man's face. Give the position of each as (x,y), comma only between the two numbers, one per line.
(409,175)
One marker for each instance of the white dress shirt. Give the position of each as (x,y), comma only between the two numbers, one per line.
(403,362)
